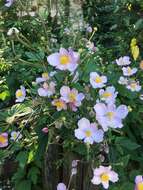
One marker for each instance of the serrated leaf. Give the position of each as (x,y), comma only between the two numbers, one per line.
(126,143)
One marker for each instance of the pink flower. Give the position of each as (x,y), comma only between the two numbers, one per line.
(139,182)
(20,94)
(44,78)
(60,104)
(9,3)
(45,130)
(61,186)
(64,59)
(47,89)
(72,97)
(3,140)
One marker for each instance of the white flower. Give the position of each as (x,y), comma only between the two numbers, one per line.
(12,31)
(109,95)
(88,132)
(20,94)
(61,186)
(127,71)
(47,89)
(9,3)
(122,61)
(103,175)
(44,78)
(110,116)
(97,81)
(122,80)
(134,86)
(15,135)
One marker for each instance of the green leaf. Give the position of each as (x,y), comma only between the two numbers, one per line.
(24,185)
(4,95)
(22,157)
(126,143)
(33,174)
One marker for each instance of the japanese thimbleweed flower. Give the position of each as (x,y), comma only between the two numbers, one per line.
(47,89)
(128,71)
(110,116)
(3,140)
(122,80)
(123,61)
(88,132)
(15,136)
(61,186)
(139,182)
(12,31)
(109,95)
(64,59)
(103,175)
(20,94)
(44,78)
(134,86)
(72,97)
(60,104)
(97,81)
(9,3)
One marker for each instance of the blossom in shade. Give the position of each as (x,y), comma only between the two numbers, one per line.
(60,104)
(97,81)
(110,116)
(44,78)
(109,95)
(61,186)
(139,182)
(134,86)
(88,132)
(47,89)
(9,3)
(72,97)
(12,31)
(122,80)
(64,59)
(3,140)
(128,71)
(20,94)
(103,175)
(15,136)
(45,130)
(123,61)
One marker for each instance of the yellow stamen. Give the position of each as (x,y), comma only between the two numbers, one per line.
(140,186)
(19,93)
(64,60)
(106,95)
(88,133)
(2,139)
(98,79)
(72,97)
(59,104)
(104,177)
(129,70)
(133,85)
(110,115)
(45,75)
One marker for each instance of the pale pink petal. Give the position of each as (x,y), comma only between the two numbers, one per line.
(83,123)
(53,59)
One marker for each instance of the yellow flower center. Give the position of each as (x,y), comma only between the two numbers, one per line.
(129,70)
(106,95)
(104,177)
(72,97)
(98,79)
(140,186)
(19,93)
(59,104)
(45,75)
(64,60)
(14,135)
(2,139)
(110,115)
(133,85)
(88,133)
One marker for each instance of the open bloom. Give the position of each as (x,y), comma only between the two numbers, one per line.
(139,182)
(64,59)
(61,186)
(3,140)
(134,86)
(44,78)
(110,116)
(128,71)
(72,97)
(109,95)
(20,94)
(103,175)
(9,3)
(60,104)
(122,80)
(88,132)
(122,61)
(15,135)
(12,31)
(97,81)
(47,89)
